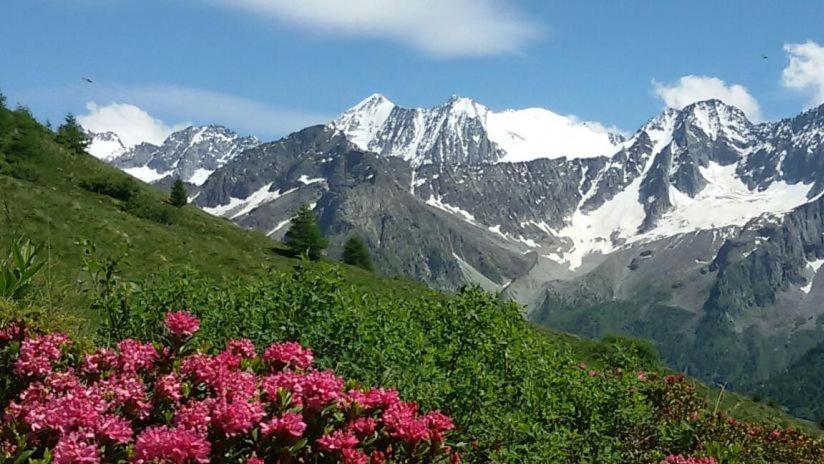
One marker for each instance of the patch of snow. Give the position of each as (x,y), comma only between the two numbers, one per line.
(305,180)
(362,122)
(106,149)
(534,133)
(814,265)
(727,201)
(146,174)
(465,215)
(200,175)
(239,206)
(278,226)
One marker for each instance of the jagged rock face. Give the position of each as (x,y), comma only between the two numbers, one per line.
(355,191)
(191,154)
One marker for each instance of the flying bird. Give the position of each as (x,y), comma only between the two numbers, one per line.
(764,57)
(87,80)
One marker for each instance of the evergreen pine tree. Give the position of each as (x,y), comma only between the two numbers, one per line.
(2,101)
(179,196)
(304,237)
(356,253)
(72,135)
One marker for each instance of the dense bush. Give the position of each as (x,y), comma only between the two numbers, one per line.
(118,188)
(147,208)
(514,395)
(170,403)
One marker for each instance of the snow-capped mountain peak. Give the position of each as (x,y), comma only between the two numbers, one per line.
(105,145)
(463,130)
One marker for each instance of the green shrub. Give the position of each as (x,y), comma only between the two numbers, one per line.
(153,210)
(118,188)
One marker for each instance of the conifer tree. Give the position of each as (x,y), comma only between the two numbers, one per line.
(356,253)
(72,135)
(179,196)
(304,236)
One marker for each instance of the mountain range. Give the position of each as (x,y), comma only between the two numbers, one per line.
(701,231)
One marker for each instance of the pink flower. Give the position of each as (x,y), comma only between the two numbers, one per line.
(288,354)
(37,354)
(115,428)
(377,457)
(136,356)
(289,425)
(376,398)
(320,389)
(195,416)
(181,324)
(403,423)
(678,459)
(73,449)
(168,387)
(337,440)
(439,424)
(354,456)
(170,445)
(102,359)
(236,417)
(243,348)
(363,426)
(253,459)
(12,331)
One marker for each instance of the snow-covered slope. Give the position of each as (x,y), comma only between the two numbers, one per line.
(462,130)
(105,145)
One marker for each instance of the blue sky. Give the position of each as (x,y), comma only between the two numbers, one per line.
(271,66)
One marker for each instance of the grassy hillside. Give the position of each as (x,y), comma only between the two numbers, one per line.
(79,207)
(119,256)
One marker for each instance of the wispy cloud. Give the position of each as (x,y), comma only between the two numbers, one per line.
(238,113)
(805,71)
(156,108)
(441,28)
(132,124)
(690,89)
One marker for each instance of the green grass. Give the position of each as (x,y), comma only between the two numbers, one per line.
(45,194)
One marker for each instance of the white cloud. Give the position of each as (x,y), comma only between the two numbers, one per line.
(690,89)
(443,28)
(805,72)
(207,107)
(129,122)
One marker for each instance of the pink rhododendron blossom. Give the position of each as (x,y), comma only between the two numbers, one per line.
(242,347)
(354,456)
(75,449)
(673,459)
(337,440)
(168,387)
(170,445)
(363,426)
(289,425)
(39,353)
(182,324)
(195,416)
(236,417)
(320,388)
(135,356)
(119,402)
(288,354)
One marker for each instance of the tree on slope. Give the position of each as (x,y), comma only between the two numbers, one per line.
(304,236)
(179,196)
(71,135)
(356,253)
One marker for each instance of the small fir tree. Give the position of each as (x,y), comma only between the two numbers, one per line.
(304,236)
(356,253)
(179,196)
(72,135)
